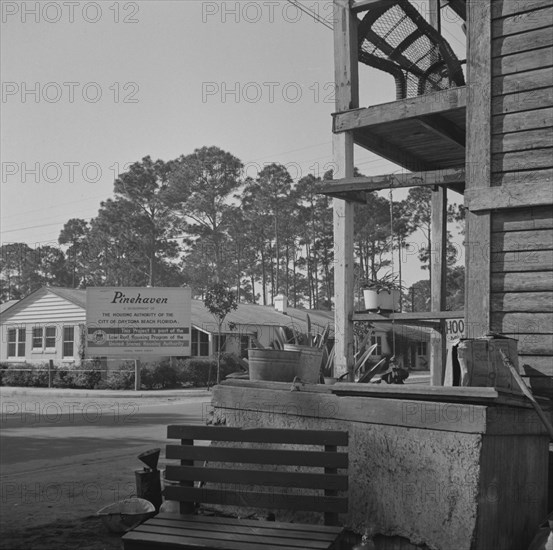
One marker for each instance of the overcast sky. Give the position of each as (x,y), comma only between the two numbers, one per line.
(90,86)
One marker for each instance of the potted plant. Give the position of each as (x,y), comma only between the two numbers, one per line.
(383,294)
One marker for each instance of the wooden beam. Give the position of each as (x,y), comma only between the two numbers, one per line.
(438,267)
(478,169)
(413,107)
(355,189)
(509,196)
(445,129)
(409,316)
(364,5)
(458,6)
(347,97)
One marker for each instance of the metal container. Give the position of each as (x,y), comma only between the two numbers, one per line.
(310,362)
(274,365)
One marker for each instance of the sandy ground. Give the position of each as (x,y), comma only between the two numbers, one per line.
(56,475)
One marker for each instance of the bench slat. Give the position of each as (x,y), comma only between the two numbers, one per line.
(335,482)
(303,544)
(254,499)
(304,527)
(259,435)
(265,528)
(134,540)
(258,456)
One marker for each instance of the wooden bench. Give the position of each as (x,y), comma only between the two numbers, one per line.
(226,481)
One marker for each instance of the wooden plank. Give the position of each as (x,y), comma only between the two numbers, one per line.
(258,435)
(509,196)
(403,109)
(530,80)
(346,78)
(256,499)
(526,177)
(523,261)
(523,22)
(540,118)
(501,523)
(522,301)
(523,101)
(522,160)
(522,241)
(335,482)
(513,7)
(538,281)
(507,45)
(477,261)
(523,141)
(534,344)
(258,456)
(524,61)
(522,323)
(539,217)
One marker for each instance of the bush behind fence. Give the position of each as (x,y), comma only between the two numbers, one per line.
(156,376)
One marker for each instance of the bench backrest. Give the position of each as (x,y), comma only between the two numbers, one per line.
(249,446)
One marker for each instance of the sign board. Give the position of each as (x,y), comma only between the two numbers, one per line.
(138,321)
(454,329)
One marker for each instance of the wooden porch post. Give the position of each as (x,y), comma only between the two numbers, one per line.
(347,97)
(478,169)
(438,255)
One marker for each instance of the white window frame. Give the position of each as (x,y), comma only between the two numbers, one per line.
(44,337)
(19,331)
(64,341)
(378,341)
(34,331)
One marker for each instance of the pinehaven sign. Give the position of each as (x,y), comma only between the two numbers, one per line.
(138,321)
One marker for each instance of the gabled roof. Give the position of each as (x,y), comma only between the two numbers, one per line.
(7,305)
(74,295)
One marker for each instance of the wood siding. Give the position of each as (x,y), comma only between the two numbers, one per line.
(521,303)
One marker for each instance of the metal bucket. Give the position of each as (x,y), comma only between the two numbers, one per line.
(274,364)
(310,362)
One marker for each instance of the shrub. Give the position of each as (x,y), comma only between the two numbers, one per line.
(196,371)
(89,375)
(122,379)
(23,375)
(160,376)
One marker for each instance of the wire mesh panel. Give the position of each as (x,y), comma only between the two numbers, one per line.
(395,37)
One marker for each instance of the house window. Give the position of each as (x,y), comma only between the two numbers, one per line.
(38,334)
(244,346)
(378,341)
(68,341)
(199,343)
(421,348)
(50,337)
(16,342)
(219,347)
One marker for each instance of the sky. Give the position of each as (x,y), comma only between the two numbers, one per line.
(90,87)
